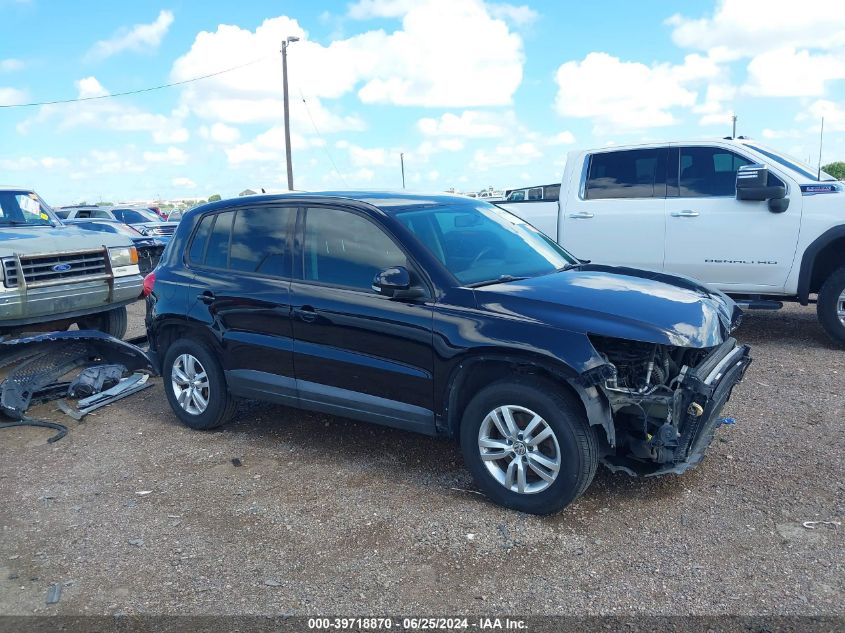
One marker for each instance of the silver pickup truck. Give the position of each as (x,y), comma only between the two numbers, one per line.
(54,275)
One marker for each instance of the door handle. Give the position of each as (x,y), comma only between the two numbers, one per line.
(306,314)
(686,213)
(581,215)
(207,297)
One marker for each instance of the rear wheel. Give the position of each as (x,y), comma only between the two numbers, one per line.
(114,322)
(196,386)
(831,306)
(528,445)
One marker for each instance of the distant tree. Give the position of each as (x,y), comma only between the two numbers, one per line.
(214,197)
(837,169)
(105,204)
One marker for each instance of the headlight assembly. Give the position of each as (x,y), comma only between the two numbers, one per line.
(123,256)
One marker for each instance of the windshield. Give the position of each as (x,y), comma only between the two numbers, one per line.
(18,208)
(136,216)
(792,163)
(109,227)
(484,243)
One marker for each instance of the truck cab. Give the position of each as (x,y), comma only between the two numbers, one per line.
(684,208)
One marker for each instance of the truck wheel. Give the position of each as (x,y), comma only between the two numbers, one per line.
(196,386)
(114,322)
(528,445)
(831,306)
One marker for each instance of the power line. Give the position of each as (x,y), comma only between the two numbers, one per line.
(325,145)
(133,92)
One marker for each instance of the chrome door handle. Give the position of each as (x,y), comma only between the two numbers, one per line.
(581,215)
(306,314)
(686,213)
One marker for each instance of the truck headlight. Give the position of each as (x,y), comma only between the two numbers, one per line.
(123,256)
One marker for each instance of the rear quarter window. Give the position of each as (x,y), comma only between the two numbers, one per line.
(639,173)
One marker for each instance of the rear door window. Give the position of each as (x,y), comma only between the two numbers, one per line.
(217,252)
(639,173)
(259,241)
(196,253)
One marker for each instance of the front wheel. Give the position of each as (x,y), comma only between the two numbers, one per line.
(114,322)
(831,306)
(528,445)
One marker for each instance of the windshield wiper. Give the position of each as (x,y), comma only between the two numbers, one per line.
(499,280)
(20,223)
(571,266)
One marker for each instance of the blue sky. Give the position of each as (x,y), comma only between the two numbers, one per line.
(474,93)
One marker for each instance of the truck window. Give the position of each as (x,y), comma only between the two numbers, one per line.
(535,193)
(708,171)
(551,192)
(639,173)
(517,196)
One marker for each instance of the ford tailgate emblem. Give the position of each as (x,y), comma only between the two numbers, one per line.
(61,268)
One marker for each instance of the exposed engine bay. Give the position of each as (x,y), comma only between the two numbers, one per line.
(665,400)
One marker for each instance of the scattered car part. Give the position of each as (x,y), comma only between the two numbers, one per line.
(126,387)
(40,361)
(61,428)
(95,379)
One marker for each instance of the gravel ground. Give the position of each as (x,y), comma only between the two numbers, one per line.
(133,513)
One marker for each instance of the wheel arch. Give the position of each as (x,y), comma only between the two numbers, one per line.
(170,329)
(477,370)
(824,255)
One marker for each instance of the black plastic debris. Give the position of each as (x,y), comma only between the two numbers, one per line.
(95,379)
(34,367)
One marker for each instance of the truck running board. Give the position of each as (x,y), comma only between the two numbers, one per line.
(759,304)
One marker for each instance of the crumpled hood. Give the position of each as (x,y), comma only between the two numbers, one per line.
(28,240)
(619,302)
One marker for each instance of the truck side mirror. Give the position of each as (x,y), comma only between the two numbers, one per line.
(752,184)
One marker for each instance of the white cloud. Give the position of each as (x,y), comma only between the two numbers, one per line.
(25,163)
(786,72)
(833,113)
(561,138)
(183,183)
(10,65)
(269,146)
(506,156)
(12,95)
(469,124)
(404,67)
(743,28)
(521,15)
(365,157)
(139,38)
(367,9)
(623,95)
(107,114)
(171,156)
(221,133)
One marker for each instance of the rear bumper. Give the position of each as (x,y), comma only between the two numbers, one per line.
(59,302)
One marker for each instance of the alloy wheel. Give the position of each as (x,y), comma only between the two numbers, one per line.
(840,308)
(519,449)
(190,384)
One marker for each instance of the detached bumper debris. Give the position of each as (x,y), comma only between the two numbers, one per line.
(37,369)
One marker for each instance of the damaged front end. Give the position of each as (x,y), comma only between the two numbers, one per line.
(665,401)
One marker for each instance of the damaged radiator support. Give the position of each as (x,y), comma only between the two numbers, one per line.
(35,365)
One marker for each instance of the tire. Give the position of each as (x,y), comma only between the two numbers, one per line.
(571,439)
(831,306)
(114,322)
(220,406)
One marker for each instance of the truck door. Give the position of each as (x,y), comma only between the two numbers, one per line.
(617,215)
(734,245)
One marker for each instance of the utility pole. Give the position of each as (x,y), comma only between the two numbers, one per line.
(285,44)
(402,162)
(821,140)
(733,118)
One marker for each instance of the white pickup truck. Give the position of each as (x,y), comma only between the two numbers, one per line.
(739,216)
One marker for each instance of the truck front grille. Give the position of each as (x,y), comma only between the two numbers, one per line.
(162,230)
(53,268)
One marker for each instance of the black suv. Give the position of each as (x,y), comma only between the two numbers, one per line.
(446,316)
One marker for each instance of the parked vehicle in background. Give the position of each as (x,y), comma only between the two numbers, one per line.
(142,219)
(149,248)
(445,316)
(532,194)
(54,275)
(175,215)
(739,216)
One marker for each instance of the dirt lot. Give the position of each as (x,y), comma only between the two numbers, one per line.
(332,516)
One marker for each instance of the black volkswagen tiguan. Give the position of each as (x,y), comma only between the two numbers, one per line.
(446,316)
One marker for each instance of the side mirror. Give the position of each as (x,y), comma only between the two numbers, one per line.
(396,283)
(752,184)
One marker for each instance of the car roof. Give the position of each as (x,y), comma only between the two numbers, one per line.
(386,200)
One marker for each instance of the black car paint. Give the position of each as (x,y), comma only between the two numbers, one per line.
(401,362)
